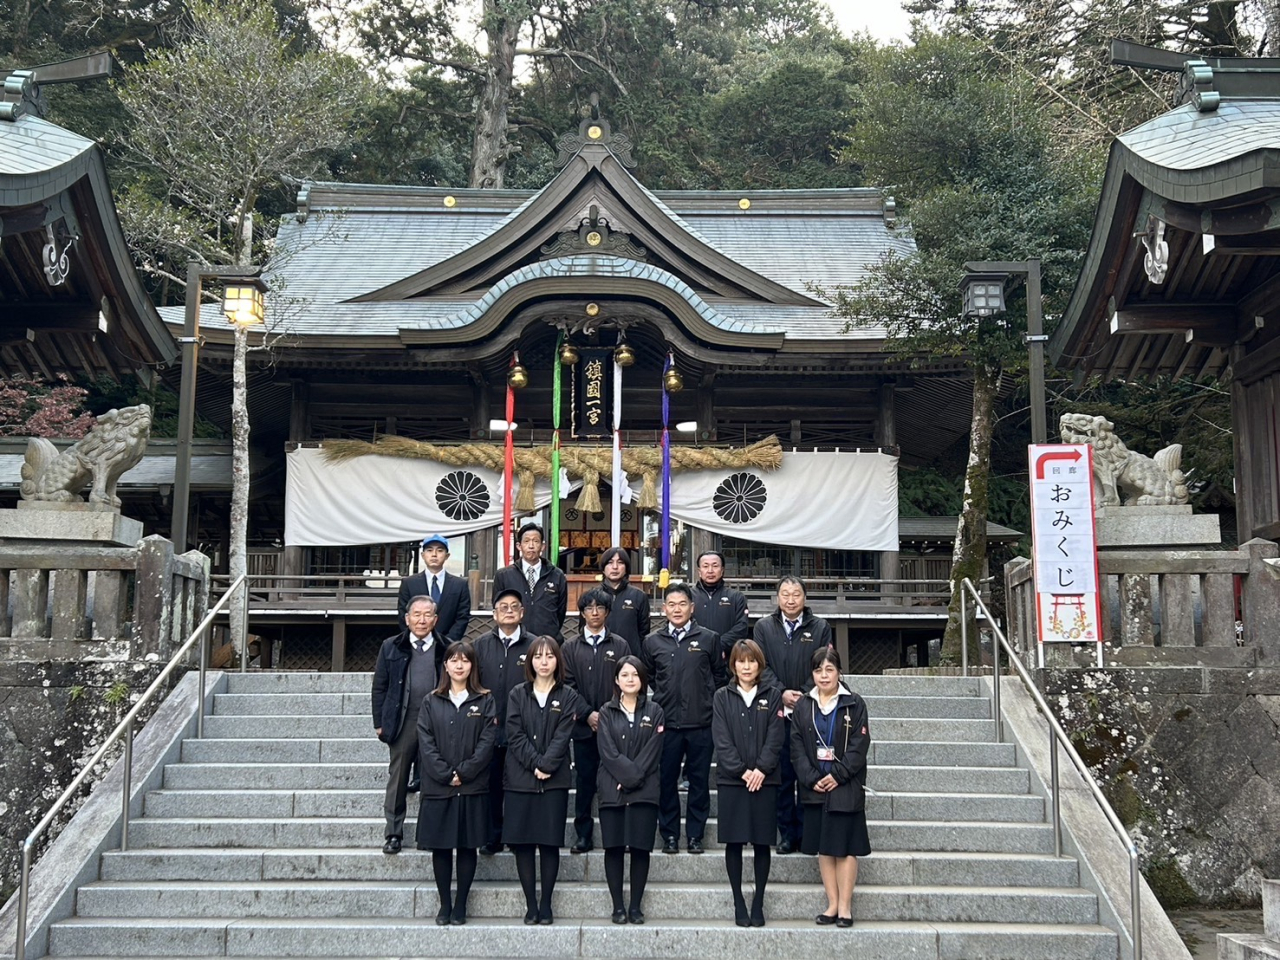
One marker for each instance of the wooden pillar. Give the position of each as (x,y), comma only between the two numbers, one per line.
(707,405)
(338,653)
(300,411)
(482,546)
(480,414)
(1242,450)
(886,431)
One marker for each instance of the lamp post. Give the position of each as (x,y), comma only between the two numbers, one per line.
(983,287)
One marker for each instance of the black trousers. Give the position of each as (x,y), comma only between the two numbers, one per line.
(404,754)
(790,811)
(495,794)
(691,747)
(586,765)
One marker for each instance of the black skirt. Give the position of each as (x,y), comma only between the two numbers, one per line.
(746,817)
(458,823)
(832,834)
(535,817)
(634,825)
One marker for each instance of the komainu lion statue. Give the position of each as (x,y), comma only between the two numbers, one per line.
(114,445)
(1146,481)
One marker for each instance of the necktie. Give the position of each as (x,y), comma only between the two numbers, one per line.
(418,645)
(435,589)
(532,574)
(595,639)
(677,634)
(791,628)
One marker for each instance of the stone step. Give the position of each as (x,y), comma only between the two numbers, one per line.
(1248,946)
(294,832)
(358,704)
(373,776)
(374,937)
(884,867)
(326,726)
(1023,808)
(583,901)
(367,749)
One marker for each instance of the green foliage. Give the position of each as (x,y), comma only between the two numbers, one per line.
(117,693)
(106,393)
(75,693)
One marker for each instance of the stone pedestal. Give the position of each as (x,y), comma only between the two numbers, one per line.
(1156,527)
(60,523)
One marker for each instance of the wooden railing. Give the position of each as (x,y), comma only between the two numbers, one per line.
(146,593)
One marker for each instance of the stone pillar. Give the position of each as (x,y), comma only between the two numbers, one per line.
(1261,600)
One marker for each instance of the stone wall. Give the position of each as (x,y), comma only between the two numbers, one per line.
(53,717)
(1190,759)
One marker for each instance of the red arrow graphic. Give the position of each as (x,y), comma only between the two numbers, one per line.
(1041,460)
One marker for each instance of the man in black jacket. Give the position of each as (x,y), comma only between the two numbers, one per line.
(409,666)
(789,636)
(541,585)
(451,593)
(590,663)
(685,669)
(629,612)
(500,655)
(716,607)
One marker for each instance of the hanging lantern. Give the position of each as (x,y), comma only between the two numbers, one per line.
(624,356)
(568,354)
(518,377)
(672,380)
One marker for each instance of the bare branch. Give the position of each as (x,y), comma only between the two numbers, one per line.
(572,55)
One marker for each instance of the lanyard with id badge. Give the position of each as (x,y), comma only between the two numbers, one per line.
(826,752)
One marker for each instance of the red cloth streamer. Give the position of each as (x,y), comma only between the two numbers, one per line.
(509,471)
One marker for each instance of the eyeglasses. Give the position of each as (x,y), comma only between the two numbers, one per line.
(509,607)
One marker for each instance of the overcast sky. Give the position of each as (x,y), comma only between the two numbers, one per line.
(883,19)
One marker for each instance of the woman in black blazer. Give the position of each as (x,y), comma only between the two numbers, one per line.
(829,744)
(748,727)
(630,740)
(457,728)
(540,719)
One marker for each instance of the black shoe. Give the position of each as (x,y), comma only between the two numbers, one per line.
(695,844)
(545,919)
(414,785)
(489,849)
(582,846)
(619,916)
(823,920)
(671,845)
(392,845)
(740,915)
(442,918)
(785,847)
(845,922)
(684,785)
(757,916)
(530,917)
(635,915)
(459,918)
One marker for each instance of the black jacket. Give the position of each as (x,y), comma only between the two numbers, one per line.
(590,671)
(851,741)
(391,682)
(789,663)
(453,610)
(748,738)
(684,676)
(538,738)
(722,611)
(501,669)
(545,607)
(456,740)
(630,754)
(629,615)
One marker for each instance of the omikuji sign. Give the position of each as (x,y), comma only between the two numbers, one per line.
(1065,548)
(592,393)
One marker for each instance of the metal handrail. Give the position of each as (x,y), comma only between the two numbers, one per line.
(1056,736)
(123,729)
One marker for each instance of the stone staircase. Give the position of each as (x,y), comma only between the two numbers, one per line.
(265,841)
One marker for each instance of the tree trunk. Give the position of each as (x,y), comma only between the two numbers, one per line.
(971,533)
(238,562)
(489,147)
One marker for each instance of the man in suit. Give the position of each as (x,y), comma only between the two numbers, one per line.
(541,583)
(451,594)
(409,666)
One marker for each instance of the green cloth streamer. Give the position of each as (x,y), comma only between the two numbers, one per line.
(554,552)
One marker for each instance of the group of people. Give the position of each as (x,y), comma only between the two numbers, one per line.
(501,729)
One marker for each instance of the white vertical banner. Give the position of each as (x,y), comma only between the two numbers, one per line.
(619,479)
(1064,545)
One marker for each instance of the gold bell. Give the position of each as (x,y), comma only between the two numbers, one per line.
(518,377)
(568,354)
(673,381)
(624,356)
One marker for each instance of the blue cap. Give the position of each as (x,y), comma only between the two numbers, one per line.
(431,538)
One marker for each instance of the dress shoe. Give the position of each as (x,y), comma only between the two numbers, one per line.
(459,918)
(845,922)
(489,849)
(695,844)
(757,917)
(581,846)
(413,786)
(671,845)
(545,919)
(442,918)
(392,845)
(635,915)
(530,917)
(740,915)
(785,847)
(823,920)
(619,916)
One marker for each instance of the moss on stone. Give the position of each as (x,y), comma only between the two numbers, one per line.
(1169,885)
(1125,800)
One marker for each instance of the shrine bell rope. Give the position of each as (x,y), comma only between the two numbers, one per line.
(587,463)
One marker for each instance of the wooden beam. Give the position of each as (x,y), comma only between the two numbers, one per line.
(24,320)
(1247,245)
(1144,318)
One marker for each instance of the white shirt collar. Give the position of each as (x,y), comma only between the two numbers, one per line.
(426,641)
(439,576)
(507,641)
(747,695)
(841,691)
(535,567)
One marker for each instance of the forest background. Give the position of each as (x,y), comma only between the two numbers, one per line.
(989,126)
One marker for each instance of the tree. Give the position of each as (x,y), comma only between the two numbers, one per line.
(31,407)
(973,165)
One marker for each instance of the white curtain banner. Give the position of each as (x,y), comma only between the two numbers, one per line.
(840,501)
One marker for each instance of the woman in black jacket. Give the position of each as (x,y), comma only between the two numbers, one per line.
(457,728)
(630,737)
(540,718)
(829,744)
(748,728)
